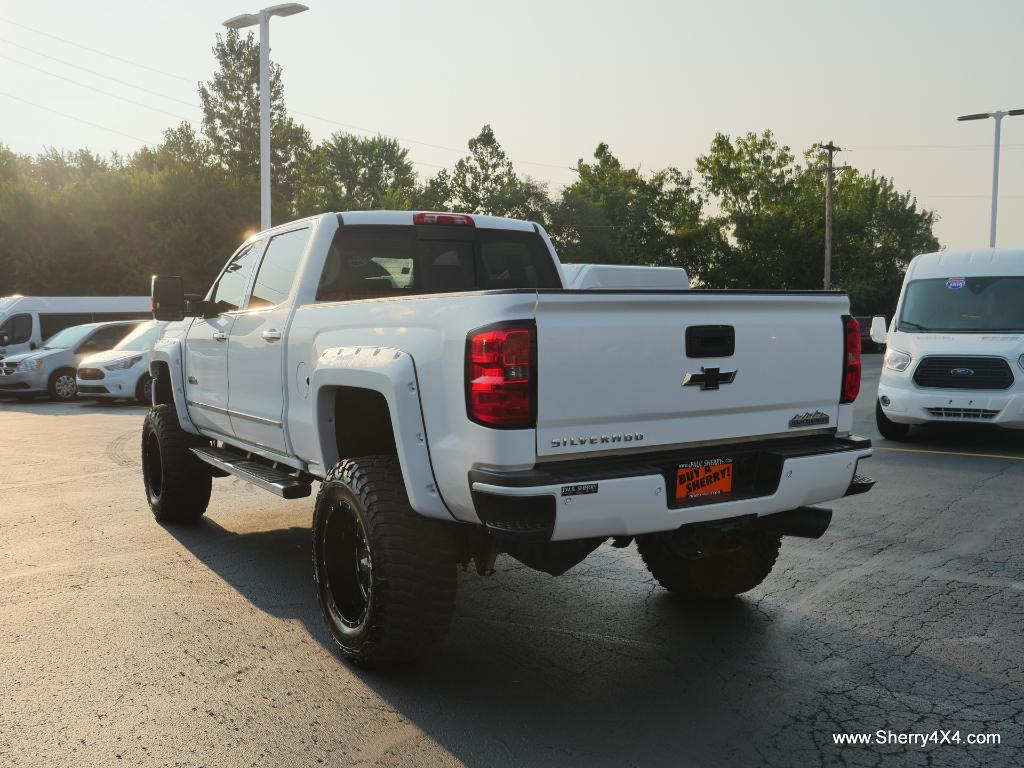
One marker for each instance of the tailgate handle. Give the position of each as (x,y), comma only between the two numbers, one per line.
(710,341)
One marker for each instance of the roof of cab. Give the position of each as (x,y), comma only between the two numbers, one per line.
(968,263)
(406,218)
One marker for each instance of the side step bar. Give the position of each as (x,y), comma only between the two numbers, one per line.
(285,485)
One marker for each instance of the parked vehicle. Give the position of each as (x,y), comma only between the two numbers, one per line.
(956,345)
(27,321)
(51,368)
(458,393)
(123,371)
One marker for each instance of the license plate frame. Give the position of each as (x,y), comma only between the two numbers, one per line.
(702,480)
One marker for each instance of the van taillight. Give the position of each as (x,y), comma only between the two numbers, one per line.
(851,360)
(500,375)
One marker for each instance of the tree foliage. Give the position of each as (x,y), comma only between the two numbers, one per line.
(750,216)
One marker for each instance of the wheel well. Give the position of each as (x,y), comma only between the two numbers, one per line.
(362,423)
(162,393)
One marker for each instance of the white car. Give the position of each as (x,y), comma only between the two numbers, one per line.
(123,372)
(955,350)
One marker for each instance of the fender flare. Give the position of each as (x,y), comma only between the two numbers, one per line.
(169,353)
(392,373)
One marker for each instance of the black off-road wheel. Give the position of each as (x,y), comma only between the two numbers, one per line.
(385,575)
(890,430)
(144,390)
(62,385)
(177,483)
(712,565)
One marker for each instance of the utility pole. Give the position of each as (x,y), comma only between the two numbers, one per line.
(830,175)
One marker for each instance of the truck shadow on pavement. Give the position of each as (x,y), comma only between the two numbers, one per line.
(602,667)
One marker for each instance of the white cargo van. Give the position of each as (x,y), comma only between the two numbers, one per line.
(27,321)
(955,349)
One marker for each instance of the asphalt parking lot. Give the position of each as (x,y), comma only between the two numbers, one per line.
(122,642)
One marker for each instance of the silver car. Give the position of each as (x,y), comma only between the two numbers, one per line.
(51,368)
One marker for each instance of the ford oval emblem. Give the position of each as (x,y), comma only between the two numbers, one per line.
(962,371)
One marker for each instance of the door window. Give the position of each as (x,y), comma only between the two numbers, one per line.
(50,324)
(227,293)
(278,268)
(18,329)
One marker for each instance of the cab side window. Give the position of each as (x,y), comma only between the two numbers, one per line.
(18,329)
(278,269)
(229,290)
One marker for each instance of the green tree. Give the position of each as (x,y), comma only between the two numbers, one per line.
(348,172)
(485,181)
(613,214)
(231,121)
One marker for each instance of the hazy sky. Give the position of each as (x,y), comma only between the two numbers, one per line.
(654,79)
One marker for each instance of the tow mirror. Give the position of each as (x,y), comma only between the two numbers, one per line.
(167,295)
(879,333)
(197,306)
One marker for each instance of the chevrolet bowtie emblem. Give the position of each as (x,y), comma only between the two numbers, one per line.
(709,378)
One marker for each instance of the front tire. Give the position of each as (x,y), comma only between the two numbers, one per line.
(890,430)
(710,566)
(385,575)
(63,386)
(144,390)
(177,483)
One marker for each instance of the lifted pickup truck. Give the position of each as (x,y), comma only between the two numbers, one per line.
(458,393)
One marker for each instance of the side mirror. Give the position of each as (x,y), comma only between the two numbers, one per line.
(33,346)
(168,298)
(4,340)
(879,333)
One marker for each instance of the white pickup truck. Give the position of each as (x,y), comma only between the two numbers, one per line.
(458,393)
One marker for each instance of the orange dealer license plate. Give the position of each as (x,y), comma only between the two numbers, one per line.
(702,478)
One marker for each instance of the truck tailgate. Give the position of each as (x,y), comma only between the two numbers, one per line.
(611,368)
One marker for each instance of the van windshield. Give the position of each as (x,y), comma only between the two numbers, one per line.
(69,337)
(964,305)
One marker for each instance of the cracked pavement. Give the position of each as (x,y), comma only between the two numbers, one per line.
(122,642)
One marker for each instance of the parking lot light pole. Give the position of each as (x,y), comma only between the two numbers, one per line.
(998,116)
(263,19)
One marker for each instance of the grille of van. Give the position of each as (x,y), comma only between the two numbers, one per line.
(964,373)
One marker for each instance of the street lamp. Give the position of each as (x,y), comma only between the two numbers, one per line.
(995,160)
(263,19)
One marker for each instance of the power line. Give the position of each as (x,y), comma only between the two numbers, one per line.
(371,131)
(927,147)
(96,51)
(73,117)
(93,88)
(100,74)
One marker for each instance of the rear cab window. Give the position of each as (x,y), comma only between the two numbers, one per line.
(368,261)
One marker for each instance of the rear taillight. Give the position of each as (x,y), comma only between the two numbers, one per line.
(501,377)
(851,360)
(451,219)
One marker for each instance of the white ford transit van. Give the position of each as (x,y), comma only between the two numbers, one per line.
(955,348)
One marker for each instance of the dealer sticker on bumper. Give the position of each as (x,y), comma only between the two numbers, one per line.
(705,477)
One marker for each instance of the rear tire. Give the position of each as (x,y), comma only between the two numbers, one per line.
(385,575)
(177,483)
(62,386)
(890,430)
(715,566)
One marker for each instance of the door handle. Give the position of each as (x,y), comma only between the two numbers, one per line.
(271,335)
(220,336)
